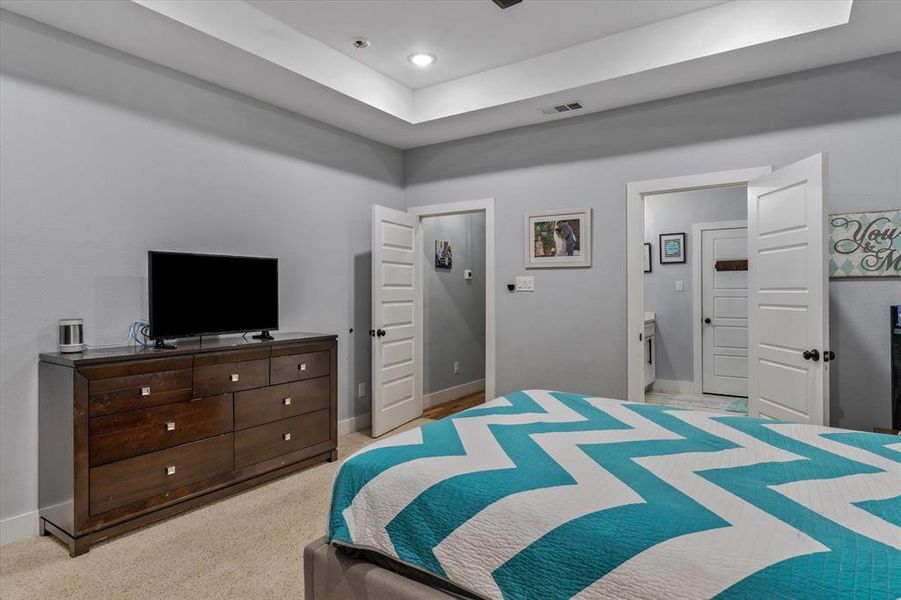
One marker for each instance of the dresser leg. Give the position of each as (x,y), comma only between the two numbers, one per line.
(333,456)
(77,547)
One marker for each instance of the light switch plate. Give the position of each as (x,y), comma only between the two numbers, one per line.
(525,284)
(680,287)
(361,389)
(467,274)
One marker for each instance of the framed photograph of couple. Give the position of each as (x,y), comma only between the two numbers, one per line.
(558,238)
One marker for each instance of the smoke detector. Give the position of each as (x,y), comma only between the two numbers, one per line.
(557,109)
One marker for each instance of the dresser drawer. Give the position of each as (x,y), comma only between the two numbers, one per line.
(296,367)
(114,437)
(255,407)
(162,475)
(136,367)
(262,442)
(128,392)
(210,380)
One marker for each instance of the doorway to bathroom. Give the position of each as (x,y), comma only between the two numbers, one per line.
(696,298)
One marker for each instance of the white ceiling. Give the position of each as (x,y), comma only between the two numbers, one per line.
(296,55)
(467,36)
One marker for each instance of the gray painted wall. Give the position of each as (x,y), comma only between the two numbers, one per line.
(454,309)
(571,332)
(674,213)
(106,156)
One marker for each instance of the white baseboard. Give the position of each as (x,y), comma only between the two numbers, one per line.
(452,393)
(19,527)
(351,424)
(673,386)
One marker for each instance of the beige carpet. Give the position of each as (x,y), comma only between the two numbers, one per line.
(246,546)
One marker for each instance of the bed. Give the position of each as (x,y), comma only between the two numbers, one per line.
(542,494)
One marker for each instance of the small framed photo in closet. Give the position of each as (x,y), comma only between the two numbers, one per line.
(672,248)
(444,255)
(646,258)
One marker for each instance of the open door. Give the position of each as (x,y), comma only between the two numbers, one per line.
(788,295)
(396,335)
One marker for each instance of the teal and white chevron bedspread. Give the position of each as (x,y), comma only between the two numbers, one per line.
(553,495)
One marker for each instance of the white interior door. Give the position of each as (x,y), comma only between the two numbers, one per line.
(396,335)
(788,294)
(724,331)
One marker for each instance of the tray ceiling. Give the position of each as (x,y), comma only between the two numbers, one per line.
(496,69)
(467,36)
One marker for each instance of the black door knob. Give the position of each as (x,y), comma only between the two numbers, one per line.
(372,332)
(381,332)
(707,320)
(828,355)
(813,355)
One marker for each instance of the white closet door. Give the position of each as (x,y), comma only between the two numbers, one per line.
(396,337)
(725,311)
(788,294)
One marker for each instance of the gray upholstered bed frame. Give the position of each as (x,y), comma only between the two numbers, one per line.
(330,574)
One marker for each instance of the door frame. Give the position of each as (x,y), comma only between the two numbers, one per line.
(697,293)
(485,205)
(635,193)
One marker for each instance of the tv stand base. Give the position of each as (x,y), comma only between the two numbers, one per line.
(263,335)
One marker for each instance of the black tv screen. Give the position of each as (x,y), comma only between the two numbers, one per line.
(200,294)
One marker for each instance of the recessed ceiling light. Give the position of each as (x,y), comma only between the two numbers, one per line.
(361,43)
(421,59)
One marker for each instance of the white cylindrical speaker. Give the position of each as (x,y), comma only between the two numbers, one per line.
(71,335)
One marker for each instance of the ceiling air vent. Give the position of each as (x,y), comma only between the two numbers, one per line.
(549,111)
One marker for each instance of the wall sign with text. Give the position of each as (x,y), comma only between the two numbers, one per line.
(865,244)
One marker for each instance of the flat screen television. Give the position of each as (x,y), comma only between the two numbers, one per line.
(206,294)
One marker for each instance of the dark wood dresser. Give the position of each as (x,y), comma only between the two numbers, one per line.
(128,436)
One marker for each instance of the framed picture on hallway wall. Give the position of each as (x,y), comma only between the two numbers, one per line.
(558,238)
(672,248)
(646,258)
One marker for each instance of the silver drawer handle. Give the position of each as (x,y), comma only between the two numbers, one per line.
(287,401)
(286,436)
(145,391)
(170,425)
(302,366)
(233,377)
(170,470)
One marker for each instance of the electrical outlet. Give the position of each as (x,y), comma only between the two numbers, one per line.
(456,367)
(361,390)
(525,284)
